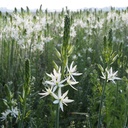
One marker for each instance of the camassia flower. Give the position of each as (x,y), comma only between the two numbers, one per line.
(47,92)
(71,82)
(13,112)
(72,71)
(61,99)
(55,79)
(109,75)
(4,115)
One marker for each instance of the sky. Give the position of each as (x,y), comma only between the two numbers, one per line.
(59,4)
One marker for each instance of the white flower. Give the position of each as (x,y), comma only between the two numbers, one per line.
(72,71)
(55,79)
(90,50)
(39,46)
(47,92)
(48,39)
(13,112)
(61,99)
(4,115)
(71,82)
(109,75)
(55,76)
(72,32)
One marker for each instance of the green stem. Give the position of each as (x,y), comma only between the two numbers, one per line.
(57,116)
(25,92)
(10,122)
(126,111)
(116,102)
(101,105)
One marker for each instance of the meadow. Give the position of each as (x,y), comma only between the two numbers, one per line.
(66,69)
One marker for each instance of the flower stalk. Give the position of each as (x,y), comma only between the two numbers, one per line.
(108,75)
(66,39)
(25,93)
(64,57)
(57,116)
(101,104)
(62,75)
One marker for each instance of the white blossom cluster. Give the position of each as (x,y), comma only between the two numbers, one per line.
(55,85)
(109,75)
(13,112)
(26,30)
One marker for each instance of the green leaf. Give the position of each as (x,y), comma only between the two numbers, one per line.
(114,58)
(58,54)
(100,67)
(21,99)
(28,113)
(55,65)
(5,102)
(70,49)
